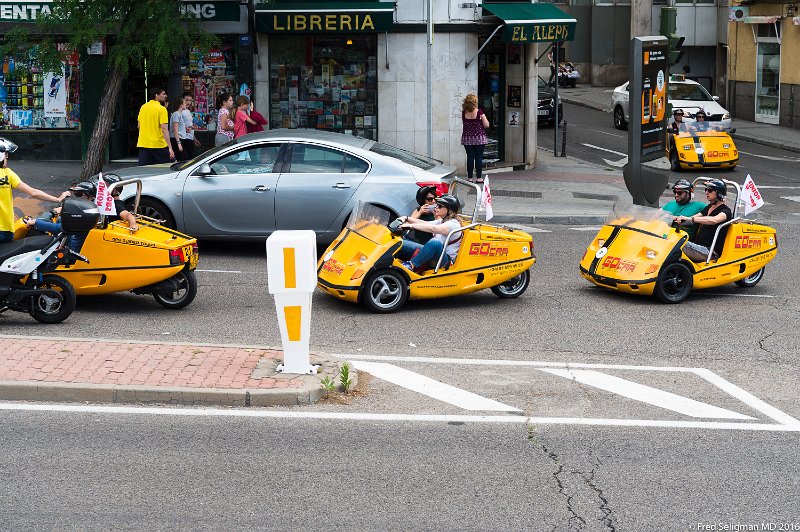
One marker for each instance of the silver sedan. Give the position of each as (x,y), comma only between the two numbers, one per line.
(282,179)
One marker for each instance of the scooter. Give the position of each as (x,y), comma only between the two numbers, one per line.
(26,282)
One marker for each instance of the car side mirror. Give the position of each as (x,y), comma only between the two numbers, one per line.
(715,98)
(204,169)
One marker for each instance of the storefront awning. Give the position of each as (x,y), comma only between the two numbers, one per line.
(324,17)
(530,23)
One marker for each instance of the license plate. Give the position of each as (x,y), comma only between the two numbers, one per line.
(191,257)
(543,112)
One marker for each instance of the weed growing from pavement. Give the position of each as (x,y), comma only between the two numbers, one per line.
(328,384)
(344,377)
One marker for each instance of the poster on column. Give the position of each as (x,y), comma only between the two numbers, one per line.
(55,95)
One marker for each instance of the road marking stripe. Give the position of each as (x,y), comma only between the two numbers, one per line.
(432,388)
(222,271)
(770,157)
(791,198)
(736,295)
(604,149)
(646,394)
(587,228)
(352,416)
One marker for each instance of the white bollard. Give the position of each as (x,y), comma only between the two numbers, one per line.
(292,276)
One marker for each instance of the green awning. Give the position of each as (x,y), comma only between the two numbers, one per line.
(528,23)
(324,17)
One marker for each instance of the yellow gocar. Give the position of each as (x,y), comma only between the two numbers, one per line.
(153,260)
(713,148)
(639,251)
(360,265)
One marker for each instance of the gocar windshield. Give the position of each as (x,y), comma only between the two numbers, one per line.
(626,214)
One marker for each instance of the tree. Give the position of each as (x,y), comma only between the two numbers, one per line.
(157,31)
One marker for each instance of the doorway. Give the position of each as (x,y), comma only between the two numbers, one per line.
(491,97)
(768,74)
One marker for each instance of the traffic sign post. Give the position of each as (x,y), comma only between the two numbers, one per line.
(292,277)
(647,171)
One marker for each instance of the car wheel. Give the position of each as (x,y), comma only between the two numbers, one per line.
(752,280)
(183,295)
(152,208)
(619,118)
(674,283)
(514,287)
(385,291)
(47,309)
(674,165)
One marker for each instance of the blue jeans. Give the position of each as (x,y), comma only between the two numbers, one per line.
(6,236)
(474,160)
(428,254)
(75,242)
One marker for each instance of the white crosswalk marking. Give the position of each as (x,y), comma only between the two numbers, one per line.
(432,388)
(646,394)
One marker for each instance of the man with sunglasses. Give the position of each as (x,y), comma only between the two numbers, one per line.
(713,215)
(683,205)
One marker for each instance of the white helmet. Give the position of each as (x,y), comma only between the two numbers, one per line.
(6,146)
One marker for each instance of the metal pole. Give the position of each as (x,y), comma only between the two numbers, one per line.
(556,48)
(429,81)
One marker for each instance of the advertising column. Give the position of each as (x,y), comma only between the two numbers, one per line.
(646,173)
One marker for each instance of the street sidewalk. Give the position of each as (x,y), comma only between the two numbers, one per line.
(114,371)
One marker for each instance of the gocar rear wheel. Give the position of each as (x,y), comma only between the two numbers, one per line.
(514,287)
(184,293)
(752,280)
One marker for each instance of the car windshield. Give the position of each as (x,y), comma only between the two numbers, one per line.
(414,159)
(627,214)
(180,165)
(704,128)
(369,221)
(689,91)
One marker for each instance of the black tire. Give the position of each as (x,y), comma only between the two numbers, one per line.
(674,165)
(514,287)
(619,118)
(47,309)
(751,280)
(385,291)
(152,208)
(187,282)
(674,283)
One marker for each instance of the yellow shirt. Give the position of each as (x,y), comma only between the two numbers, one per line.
(8,181)
(151,116)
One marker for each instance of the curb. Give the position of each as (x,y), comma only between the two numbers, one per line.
(583,104)
(551,219)
(764,142)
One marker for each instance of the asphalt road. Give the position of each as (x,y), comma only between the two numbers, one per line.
(152,470)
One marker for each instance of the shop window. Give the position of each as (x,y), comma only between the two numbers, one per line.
(205,76)
(40,100)
(328,83)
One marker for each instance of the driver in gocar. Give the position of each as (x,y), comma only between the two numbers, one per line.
(428,254)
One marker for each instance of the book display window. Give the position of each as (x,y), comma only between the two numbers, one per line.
(324,82)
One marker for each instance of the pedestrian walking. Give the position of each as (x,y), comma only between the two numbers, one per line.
(224,121)
(188,120)
(241,117)
(177,129)
(154,145)
(473,135)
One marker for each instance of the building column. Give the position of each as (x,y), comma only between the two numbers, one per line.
(641,14)
(530,104)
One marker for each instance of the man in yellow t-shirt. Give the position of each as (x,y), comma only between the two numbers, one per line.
(154,145)
(9,181)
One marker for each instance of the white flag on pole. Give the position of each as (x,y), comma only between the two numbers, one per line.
(486,199)
(752,197)
(104,200)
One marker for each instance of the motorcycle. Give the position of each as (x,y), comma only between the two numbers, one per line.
(26,266)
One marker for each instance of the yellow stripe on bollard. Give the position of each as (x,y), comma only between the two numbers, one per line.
(289,268)
(292,316)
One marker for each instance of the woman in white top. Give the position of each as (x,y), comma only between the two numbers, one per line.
(445,222)
(177,129)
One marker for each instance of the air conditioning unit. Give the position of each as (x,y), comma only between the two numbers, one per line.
(738,13)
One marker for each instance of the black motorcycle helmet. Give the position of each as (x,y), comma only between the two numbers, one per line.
(686,186)
(449,202)
(83,189)
(677,112)
(701,113)
(719,187)
(424,192)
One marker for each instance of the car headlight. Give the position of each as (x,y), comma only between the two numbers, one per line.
(726,146)
(726,116)
(601,242)
(650,254)
(687,147)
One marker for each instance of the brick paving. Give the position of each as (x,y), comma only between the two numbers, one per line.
(174,373)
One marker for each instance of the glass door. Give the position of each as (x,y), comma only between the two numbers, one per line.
(768,79)
(491,79)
